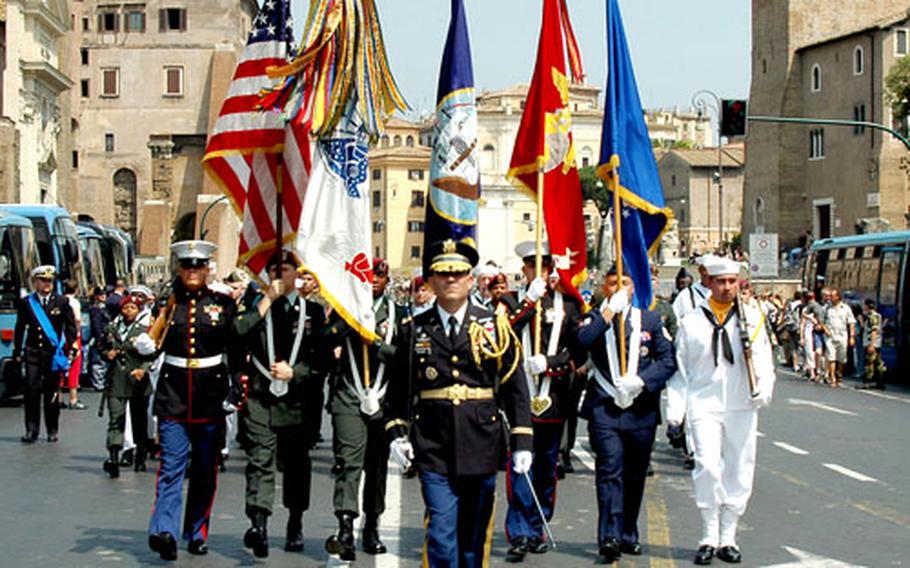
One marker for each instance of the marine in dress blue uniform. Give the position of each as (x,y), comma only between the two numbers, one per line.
(549,385)
(622,411)
(461,363)
(195,389)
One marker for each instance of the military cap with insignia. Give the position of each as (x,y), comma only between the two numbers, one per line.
(449,256)
(282,257)
(193,253)
(527,251)
(44,272)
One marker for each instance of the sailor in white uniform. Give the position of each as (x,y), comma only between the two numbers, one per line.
(690,297)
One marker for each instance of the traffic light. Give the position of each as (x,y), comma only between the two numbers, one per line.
(733,113)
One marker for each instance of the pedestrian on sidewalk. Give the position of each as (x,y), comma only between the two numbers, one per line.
(838,325)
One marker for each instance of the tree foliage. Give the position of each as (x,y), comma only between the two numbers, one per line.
(897,89)
(593,188)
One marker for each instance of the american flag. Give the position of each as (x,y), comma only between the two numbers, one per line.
(248,143)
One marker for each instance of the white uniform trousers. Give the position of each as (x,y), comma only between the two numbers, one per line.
(724,446)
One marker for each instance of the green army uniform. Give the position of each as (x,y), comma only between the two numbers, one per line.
(276,423)
(122,389)
(358,441)
(664,308)
(875,367)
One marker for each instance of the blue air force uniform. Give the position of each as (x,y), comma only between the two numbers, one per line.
(622,438)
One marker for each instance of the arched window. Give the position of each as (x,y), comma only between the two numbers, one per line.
(384,141)
(758,212)
(396,141)
(858,60)
(409,141)
(816,78)
(488,158)
(125,200)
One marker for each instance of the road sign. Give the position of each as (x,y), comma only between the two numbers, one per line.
(763,255)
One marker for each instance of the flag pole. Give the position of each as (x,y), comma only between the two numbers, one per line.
(366,363)
(279,217)
(538,258)
(617,236)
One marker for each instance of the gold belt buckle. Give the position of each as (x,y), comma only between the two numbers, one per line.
(192,363)
(458,393)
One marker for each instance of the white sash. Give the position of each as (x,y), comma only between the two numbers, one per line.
(369,397)
(543,392)
(278,387)
(613,359)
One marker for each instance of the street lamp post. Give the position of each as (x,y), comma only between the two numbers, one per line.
(702,101)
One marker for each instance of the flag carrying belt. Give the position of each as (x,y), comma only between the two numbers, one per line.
(60,362)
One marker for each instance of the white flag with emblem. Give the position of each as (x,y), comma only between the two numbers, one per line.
(334,235)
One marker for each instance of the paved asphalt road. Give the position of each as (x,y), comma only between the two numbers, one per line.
(829,492)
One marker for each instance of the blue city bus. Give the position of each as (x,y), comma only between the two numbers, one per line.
(18,257)
(57,240)
(93,254)
(872,266)
(117,250)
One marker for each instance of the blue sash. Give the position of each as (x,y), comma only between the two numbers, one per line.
(60,362)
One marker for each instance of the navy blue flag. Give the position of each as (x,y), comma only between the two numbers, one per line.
(626,152)
(454,167)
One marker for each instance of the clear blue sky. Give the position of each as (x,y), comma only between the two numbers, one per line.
(678,47)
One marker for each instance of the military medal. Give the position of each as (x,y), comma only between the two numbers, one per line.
(432,373)
(214,312)
(540,404)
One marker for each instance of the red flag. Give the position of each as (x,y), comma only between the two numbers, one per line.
(544,141)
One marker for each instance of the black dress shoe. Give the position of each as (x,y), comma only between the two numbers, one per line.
(52,438)
(518,550)
(341,544)
(126,459)
(293,541)
(537,545)
(197,547)
(704,555)
(28,439)
(164,544)
(730,554)
(610,549)
(257,540)
(633,548)
(369,539)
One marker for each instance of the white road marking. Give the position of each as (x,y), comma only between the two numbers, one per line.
(390,527)
(886,396)
(820,406)
(804,559)
(850,473)
(792,449)
(584,456)
(759,434)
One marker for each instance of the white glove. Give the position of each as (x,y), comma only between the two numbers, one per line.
(760,401)
(228,407)
(145,345)
(402,452)
(521,462)
(536,290)
(631,385)
(619,301)
(537,364)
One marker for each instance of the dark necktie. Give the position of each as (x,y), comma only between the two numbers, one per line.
(453,329)
(720,334)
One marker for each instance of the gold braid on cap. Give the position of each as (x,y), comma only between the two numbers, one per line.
(485,346)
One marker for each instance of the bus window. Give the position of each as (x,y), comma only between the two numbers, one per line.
(835,275)
(867,282)
(891,263)
(68,240)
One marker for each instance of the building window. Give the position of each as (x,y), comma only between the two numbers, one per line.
(415,226)
(85,25)
(135,22)
(859,115)
(75,159)
(109,142)
(377,226)
(83,87)
(415,175)
(415,252)
(409,141)
(900,42)
(817,144)
(859,61)
(816,78)
(110,82)
(488,158)
(396,141)
(173,81)
(673,180)
(377,174)
(377,199)
(384,142)
(83,55)
(108,22)
(758,212)
(417,199)
(526,219)
(172,20)
(764,66)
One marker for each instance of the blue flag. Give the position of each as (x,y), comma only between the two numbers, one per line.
(625,150)
(454,169)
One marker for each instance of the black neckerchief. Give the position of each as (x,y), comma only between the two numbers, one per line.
(720,332)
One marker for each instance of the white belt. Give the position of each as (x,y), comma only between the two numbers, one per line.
(198,363)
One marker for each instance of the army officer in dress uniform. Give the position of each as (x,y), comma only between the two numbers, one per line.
(195,389)
(280,331)
(549,374)
(462,364)
(42,342)
(622,409)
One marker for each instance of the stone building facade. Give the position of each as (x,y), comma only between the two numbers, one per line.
(150,78)
(693,192)
(33,116)
(824,61)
